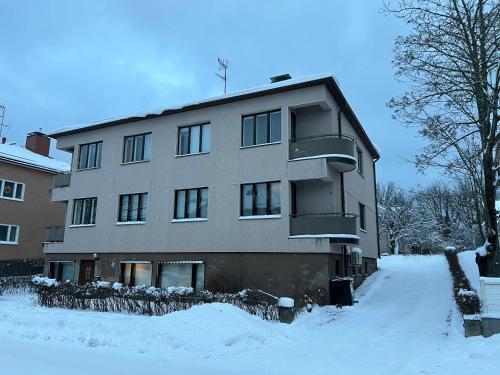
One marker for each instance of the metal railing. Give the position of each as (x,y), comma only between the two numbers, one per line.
(323,145)
(332,223)
(54,234)
(61,180)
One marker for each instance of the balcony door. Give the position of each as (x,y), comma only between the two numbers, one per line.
(86,271)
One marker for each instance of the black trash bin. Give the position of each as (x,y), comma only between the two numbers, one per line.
(341,292)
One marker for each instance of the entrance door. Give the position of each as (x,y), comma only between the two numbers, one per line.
(86,271)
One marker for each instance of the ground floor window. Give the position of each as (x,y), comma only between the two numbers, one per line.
(182,274)
(9,234)
(62,271)
(136,273)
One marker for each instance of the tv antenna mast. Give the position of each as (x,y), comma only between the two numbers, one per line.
(223,64)
(2,116)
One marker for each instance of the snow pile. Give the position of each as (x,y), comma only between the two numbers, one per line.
(482,250)
(466,293)
(181,290)
(15,152)
(468,263)
(286,302)
(450,248)
(103,284)
(117,286)
(43,280)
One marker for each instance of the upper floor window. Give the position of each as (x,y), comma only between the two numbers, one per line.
(191,203)
(137,148)
(133,208)
(89,155)
(11,190)
(362,216)
(194,139)
(9,234)
(260,199)
(261,128)
(84,211)
(360,161)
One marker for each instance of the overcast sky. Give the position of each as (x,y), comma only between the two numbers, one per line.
(66,62)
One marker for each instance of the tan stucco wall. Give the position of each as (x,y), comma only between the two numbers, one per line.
(32,215)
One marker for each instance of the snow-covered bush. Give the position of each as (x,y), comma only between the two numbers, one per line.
(15,284)
(466,297)
(104,296)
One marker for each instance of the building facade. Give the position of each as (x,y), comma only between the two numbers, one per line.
(269,189)
(25,208)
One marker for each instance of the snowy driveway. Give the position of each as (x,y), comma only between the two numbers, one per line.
(405,323)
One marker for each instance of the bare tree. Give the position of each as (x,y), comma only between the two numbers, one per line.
(450,63)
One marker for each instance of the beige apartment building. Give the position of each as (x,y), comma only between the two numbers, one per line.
(271,188)
(26,174)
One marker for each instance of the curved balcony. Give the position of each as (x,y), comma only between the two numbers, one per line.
(338,227)
(338,150)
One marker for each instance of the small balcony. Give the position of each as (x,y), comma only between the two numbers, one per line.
(61,180)
(339,151)
(340,228)
(54,234)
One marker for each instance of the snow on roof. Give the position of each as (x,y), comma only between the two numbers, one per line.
(20,155)
(157,112)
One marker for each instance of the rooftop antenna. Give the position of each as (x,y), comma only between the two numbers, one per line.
(2,116)
(223,64)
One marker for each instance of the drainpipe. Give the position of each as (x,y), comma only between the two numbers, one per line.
(376,204)
(342,195)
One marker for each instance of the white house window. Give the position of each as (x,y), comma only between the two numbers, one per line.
(356,257)
(9,234)
(261,129)
(136,273)
(137,148)
(260,199)
(194,139)
(62,271)
(84,211)
(191,203)
(11,190)
(360,161)
(189,274)
(89,155)
(362,216)
(133,208)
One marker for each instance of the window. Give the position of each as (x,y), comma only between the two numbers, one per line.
(191,203)
(261,129)
(62,271)
(133,208)
(84,211)
(184,274)
(89,155)
(193,139)
(260,199)
(9,234)
(137,148)
(356,258)
(362,217)
(11,190)
(136,273)
(360,161)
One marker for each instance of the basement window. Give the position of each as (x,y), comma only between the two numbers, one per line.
(136,273)
(189,274)
(62,271)
(356,258)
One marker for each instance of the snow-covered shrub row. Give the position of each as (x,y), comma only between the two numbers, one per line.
(104,296)
(15,284)
(466,297)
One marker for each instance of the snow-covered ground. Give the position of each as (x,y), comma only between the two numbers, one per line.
(405,323)
(467,260)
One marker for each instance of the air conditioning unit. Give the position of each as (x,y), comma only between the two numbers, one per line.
(356,256)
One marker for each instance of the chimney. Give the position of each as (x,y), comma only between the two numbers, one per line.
(281,77)
(38,143)
(4,140)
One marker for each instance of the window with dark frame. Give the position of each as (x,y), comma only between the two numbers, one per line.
(362,216)
(191,203)
(62,270)
(89,155)
(137,148)
(360,161)
(194,139)
(187,274)
(260,199)
(84,211)
(9,234)
(11,190)
(133,208)
(136,273)
(261,128)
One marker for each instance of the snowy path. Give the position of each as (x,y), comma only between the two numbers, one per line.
(405,323)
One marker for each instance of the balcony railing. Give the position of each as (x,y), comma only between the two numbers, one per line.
(61,180)
(338,227)
(340,150)
(54,234)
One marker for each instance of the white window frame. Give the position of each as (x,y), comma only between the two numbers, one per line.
(9,228)
(2,183)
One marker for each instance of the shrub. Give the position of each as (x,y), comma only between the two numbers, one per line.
(107,297)
(466,297)
(15,284)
